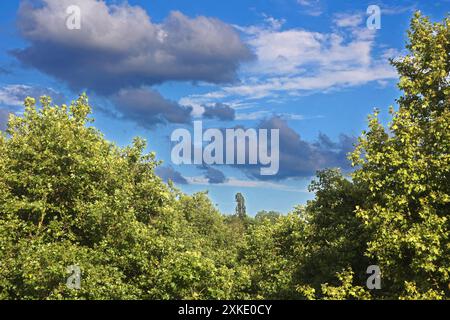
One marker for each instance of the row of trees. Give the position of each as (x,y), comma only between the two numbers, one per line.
(68,197)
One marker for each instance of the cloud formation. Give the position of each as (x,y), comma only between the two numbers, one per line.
(311,7)
(295,61)
(300,158)
(148,107)
(119,46)
(169,173)
(348,20)
(219,111)
(213,175)
(240,183)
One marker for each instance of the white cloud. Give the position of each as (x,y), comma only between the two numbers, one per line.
(324,81)
(234,182)
(275,24)
(297,51)
(311,7)
(394,10)
(296,61)
(253,115)
(348,20)
(264,114)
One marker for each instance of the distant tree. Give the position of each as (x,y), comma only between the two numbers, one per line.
(269,215)
(270,254)
(240,206)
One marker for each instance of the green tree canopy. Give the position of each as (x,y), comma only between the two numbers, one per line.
(406,168)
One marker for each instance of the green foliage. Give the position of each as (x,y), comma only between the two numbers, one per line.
(270,215)
(334,237)
(270,254)
(346,290)
(69,197)
(406,168)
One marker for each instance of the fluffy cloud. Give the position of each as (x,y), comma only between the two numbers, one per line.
(119,46)
(168,173)
(148,107)
(309,54)
(219,111)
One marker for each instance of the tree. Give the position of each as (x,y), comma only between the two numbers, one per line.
(406,168)
(270,252)
(240,206)
(69,198)
(335,240)
(270,215)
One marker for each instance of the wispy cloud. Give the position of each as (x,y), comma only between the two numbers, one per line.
(311,7)
(399,9)
(13,95)
(240,183)
(293,62)
(264,114)
(348,19)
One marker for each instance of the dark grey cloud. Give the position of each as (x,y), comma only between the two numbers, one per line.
(220,111)
(148,107)
(213,175)
(118,46)
(300,158)
(169,173)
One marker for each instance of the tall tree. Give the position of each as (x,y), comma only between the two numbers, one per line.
(407,171)
(240,206)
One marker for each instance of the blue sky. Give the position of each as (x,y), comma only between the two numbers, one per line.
(310,68)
